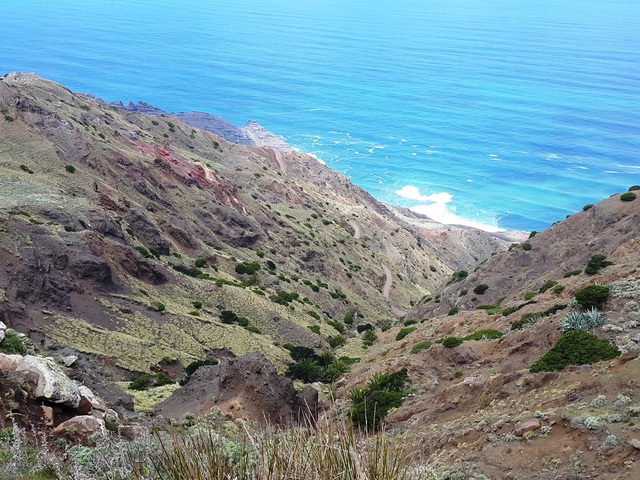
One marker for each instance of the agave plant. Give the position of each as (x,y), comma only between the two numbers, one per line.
(582,320)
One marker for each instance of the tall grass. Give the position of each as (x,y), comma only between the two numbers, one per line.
(326,451)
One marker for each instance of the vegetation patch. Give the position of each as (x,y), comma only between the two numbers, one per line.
(628,197)
(458,276)
(13,343)
(596,263)
(370,405)
(485,334)
(311,367)
(576,347)
(146,381)
(419,347)
(593,296)
(404,332)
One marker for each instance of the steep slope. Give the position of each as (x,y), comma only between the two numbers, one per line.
(478,404)
(141,238)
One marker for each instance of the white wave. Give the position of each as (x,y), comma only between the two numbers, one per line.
(613,172)
(438,209)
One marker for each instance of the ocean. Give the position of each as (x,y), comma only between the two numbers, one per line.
(503,114)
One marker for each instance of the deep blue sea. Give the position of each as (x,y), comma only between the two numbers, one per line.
(507,113)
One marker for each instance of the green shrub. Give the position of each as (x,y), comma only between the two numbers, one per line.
(253,329)
(143,251)
(491,309)
(369,338)
(485,334)
(247,268)
(458,276)
(158,306)
(572,273)
(592,296)
(24,168)
(547,285)
(284,298)
(200,263)
(526,247)
(141,383)
(595,263)
(628,197)
(480,289)
(70,168)
(453,311)
(432,268)
(363,327)
(530,295)
(13,343)
(558,288)
(314,328)
(588,206)
(337,325)
(370,405)
(419,347)
(576,347)
(451,342)
(634,187)
(404,332)
(197,304)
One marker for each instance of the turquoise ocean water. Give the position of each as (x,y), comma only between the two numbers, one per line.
(506,113)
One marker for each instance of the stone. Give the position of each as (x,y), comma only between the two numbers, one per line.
(47,413)
(81,427)
(68,360)
(51,382)
(3,328)
(635,443)
(527,426)
(8,363)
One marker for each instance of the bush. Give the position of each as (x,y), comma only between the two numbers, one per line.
(284,298)
(453,311)
(628,197)
(458,276)
(24,168)
(404,332)
(253,329)
(314,328)
(364,327)
(143,251)
(588,206)
(572,273)
(451,342)
(526,247)
(419,347)
(369,338)
(595,263)
(197,304)
(370,405)
(70,168)
(592,296)
(547,285)
(530,295)
(147,381)
(480,289)
(576,347)
(158,306)
(634,187)
(558,288)
(13,343)
(485,334)
(247,268)
(200,263)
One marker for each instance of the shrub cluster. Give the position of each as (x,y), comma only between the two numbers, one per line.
(12,343)
(193,366)
(311,367)
(419,347)
(582,320)
(247,268)
(370,405)
(404,332)
(147,381)
(628,197)
(284,298)
(576,347)
(480,289)
(458,276)
(595,263)
(592,296)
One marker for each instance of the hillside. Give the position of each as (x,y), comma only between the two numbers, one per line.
(107,213)
(133,243)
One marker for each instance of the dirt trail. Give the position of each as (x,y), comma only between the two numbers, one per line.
(356,229)
(387,289)
(281,162)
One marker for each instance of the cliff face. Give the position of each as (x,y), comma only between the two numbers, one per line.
(115,223)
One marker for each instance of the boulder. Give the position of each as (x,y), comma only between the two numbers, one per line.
(3,328)
(527,426)
(8,363)
(635,443)
(247,387)
(51,382)
(80,428)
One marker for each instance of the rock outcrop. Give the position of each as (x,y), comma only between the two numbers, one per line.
(244,387)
